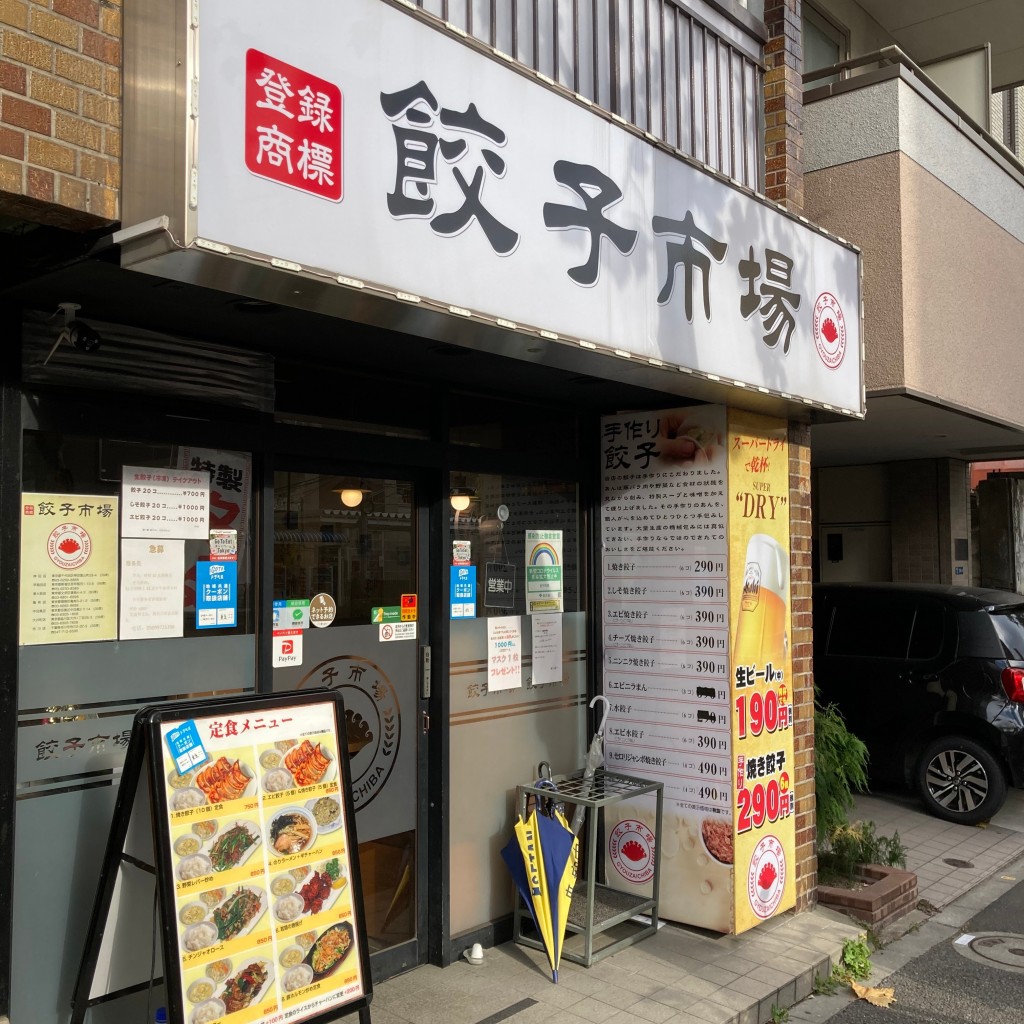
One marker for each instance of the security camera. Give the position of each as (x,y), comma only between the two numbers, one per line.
(81,336)
(77,333)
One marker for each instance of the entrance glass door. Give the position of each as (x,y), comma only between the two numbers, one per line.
(350,547)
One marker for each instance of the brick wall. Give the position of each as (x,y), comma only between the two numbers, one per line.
(60,111)
(801,533)
(784,104)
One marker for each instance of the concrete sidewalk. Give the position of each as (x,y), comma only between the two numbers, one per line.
(687,976)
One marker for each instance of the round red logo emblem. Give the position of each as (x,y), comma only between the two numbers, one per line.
(69,546)
(766,878)
(829,330)
(631,848)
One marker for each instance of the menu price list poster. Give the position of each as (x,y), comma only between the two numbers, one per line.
(665,592)
(169,503)
(256,856)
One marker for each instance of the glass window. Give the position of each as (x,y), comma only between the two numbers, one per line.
(498,735)
(68,464)
(350,542)
(349,537)
(78,693)
(498,511)
(825,43)
(929,630)
(1009,624)
(872,629)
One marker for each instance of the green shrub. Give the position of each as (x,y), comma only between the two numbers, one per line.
(855,961)
(849,845)
(840,767)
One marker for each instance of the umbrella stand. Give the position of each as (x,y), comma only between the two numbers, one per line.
(597,908)
(595,758)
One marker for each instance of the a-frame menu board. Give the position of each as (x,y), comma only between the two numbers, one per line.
(261,915)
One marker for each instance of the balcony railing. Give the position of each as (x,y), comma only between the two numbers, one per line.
(890,63)
(681,70)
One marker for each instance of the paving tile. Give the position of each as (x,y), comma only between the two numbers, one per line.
(787,994)
(540,1014)
(713,1013)
(717,975)
(384,1016)
(675,997)
(767,1006)
(594,1010)
(620,998)
(806,955)
(792,968)
(698,987)
(734,1000)
(432,1007)
(742,964)
(749,1016)
(756,988)
(634,981)
(776,978)
(683,1017)
(804,985)
(559,995)
(649,1010)
(668,970)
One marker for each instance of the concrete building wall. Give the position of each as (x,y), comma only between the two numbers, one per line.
(860,200)
(960,268)
(937,271)
(60,111)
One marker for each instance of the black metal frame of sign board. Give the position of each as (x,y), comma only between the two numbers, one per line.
(146,747)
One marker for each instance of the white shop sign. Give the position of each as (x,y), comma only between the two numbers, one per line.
(379,150)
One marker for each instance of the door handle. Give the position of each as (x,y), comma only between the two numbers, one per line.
(425,672)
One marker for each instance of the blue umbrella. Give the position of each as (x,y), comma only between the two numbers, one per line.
(543,860)
(512,855)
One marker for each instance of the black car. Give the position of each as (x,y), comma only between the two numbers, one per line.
(931,678)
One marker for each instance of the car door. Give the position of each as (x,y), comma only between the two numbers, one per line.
(863,669)
(923,693)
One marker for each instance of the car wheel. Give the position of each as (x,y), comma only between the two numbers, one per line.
(959,780)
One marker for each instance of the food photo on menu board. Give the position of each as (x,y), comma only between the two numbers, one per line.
(261,864)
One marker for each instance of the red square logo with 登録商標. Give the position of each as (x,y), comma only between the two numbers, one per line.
(293,126)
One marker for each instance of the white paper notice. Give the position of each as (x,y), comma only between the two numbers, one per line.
(504,653)
(543,571)
(547,648)
(165,503)
(152,588)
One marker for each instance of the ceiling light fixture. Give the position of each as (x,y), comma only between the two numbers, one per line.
(461,497)
(351,497)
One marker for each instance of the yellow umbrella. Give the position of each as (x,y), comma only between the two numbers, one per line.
(545,873)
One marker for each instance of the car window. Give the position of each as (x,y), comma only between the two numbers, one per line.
(1010,630)
(874,628)
(926,638)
